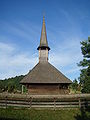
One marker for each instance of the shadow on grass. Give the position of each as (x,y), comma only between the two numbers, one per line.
(85,112)
(7,118)
(83,115)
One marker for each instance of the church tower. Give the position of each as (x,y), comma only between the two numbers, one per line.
(44,78)
(43,47)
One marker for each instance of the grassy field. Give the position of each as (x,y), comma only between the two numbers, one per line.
(26,114)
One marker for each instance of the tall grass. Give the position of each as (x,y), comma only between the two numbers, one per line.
(31,114)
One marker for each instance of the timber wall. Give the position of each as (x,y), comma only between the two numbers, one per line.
(46,89)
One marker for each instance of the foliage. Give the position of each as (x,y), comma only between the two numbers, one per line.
(75,85)
(85,63)
(11,84)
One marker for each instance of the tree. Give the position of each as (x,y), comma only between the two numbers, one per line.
(1,86)
(75,85)
(11,88)
(11,84)
(85,63)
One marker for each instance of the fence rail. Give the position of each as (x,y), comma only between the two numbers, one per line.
(45,101)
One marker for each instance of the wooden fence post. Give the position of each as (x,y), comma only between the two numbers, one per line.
(22,89)
(30,102)
(79,103)
(6,102)
(54,103)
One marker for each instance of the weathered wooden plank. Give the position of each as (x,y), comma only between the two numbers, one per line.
(52,101)
(44,96)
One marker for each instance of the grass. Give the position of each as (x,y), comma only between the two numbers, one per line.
(31,114)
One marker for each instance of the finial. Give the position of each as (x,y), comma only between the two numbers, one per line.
(43,14)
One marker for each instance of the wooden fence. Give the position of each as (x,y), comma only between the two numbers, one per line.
(45,101)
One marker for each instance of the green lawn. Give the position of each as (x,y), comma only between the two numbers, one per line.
(31,114)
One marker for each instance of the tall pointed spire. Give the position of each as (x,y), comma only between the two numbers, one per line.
(43,39)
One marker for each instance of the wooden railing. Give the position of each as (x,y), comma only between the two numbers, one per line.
(45,101)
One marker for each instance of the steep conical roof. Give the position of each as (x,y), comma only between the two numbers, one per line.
(43,39)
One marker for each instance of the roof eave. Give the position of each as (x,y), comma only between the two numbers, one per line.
(43,47)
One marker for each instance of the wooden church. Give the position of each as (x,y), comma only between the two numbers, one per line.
(44,78)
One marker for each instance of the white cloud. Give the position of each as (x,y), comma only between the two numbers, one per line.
(13,63)
(70,71)
(67,53)
(66,56)
(24,30)
(6,48)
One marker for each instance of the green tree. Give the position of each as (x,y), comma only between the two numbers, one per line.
(11,88)
(75,85)
(85,63)
(1,86)
(11,84)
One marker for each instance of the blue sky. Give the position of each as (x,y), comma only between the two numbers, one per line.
(67,23)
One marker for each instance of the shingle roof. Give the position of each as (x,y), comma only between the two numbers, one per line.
(45,73)
(43,39)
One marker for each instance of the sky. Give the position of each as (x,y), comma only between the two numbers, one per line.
(67,23)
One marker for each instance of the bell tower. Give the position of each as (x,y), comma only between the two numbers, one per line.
(43,47)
